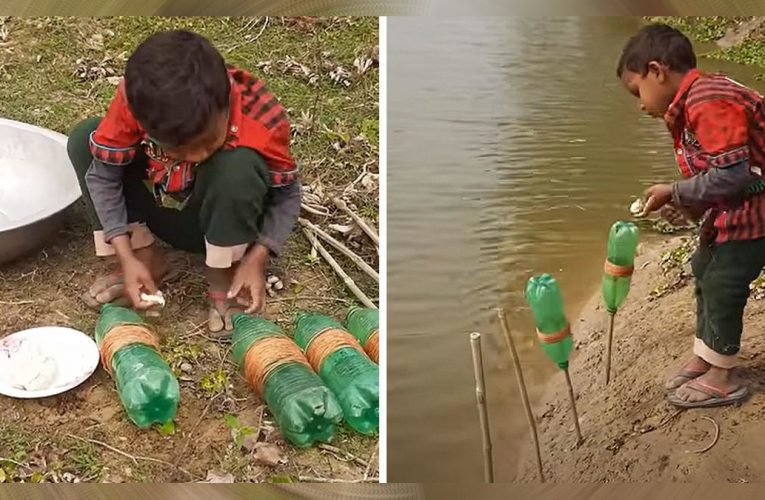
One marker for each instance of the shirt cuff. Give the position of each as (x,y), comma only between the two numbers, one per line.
(274,248)
(113,233)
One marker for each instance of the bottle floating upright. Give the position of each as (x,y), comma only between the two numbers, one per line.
(303,407)
(364,324)
(553,329)
(617,274)
(342,364)
(130,353)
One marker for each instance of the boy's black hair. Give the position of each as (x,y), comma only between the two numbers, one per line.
(176,82)
(660,43)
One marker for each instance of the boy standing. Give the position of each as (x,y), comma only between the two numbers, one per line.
(717,126)
(196,153)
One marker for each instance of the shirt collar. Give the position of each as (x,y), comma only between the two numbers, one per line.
(677,105)
(235,114)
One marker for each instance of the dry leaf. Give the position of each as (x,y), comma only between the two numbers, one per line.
(214,476)
(268,454)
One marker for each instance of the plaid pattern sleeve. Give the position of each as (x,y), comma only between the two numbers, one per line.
(116,139)
(721,128)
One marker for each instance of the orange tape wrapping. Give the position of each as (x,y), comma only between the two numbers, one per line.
(266,355)
(617,271)
(124,335)
(372,346)
(551,338)
(325,343)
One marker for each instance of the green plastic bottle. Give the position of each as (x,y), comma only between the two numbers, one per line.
(146,385)
(303,407)
(546,302)
(362,323)
(350,374)
(622,246)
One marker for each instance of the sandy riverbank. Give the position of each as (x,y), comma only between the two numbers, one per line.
(631,432)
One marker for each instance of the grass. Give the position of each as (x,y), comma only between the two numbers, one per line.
(57,71)
(750,51)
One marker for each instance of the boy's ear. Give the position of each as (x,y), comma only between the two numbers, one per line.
(658,70)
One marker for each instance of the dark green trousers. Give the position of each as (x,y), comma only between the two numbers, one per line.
(225,207)
(723,274)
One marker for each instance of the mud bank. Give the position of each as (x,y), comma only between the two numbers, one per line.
(631,433)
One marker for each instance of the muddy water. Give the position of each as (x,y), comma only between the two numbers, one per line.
(512,149)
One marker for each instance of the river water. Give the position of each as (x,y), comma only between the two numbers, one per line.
(512,149)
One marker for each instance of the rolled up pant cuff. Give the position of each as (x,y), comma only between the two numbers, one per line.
(219,257)
(140,237)
(712,357)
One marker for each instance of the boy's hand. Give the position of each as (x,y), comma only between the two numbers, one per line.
(656,197)
(138,279)
(251,275)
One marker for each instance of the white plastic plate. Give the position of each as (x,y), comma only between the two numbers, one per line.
(75,354)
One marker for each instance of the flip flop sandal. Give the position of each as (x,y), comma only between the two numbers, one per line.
(717,397)
(220,325)
(688,375)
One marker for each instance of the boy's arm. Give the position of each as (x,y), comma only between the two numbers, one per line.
(280,217)
(113,144)
(105,187)
(714,187)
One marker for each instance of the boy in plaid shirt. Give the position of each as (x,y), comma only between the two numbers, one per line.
(196,153)
(717,128)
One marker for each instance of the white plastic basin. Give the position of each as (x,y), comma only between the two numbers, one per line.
(37,183)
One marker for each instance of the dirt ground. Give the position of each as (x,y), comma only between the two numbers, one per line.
(631,433)
(84,434)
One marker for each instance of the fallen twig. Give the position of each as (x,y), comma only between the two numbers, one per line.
(339,270)
(669,418)
(372,458)
(310,479)
(312,210)
(2,459)
(364,225)
(350,456)
(714,440)
(342,249)
(17,302)
(134,458)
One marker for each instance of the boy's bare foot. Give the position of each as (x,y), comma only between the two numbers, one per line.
(111,289)
(691,370)
(221,309)
(716,387)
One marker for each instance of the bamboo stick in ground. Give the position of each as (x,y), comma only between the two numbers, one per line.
(572,399)
(364,225)
(342,249)
(483,412)
(608,354)
(339,270)
(522,387)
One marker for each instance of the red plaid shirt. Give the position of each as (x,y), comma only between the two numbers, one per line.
(716,122)
(256,121)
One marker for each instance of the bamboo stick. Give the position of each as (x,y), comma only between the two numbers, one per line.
(610,340)
(572,398)
(483,412)
(522,387)
(342,249)
(364,225)
(339,270)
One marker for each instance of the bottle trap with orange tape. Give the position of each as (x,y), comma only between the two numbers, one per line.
(343,365)
(364,324)
(303,407)
(130,354)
